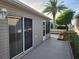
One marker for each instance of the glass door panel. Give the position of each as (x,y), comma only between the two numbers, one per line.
(15,35)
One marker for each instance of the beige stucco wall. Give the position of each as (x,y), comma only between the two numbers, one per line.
(16,11)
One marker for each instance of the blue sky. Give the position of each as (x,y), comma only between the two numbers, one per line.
(40,4)
(73,4)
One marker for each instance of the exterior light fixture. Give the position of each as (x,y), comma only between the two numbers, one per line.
(3,13)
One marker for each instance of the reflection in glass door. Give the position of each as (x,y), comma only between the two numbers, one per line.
(15,35)
(44,30)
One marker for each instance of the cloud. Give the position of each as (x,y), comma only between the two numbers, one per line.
(36,4)
(77,11)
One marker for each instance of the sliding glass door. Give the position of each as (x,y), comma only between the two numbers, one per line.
(20,34)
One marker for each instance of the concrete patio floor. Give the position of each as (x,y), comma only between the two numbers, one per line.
(51,49)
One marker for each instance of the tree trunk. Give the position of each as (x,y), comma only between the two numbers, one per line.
(66,27)
(54,23)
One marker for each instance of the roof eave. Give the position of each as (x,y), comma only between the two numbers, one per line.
(26,7)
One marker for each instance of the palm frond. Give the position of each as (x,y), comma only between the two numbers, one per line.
(53,3)
(47,9)
(49,13)
(53,7)
(61,7)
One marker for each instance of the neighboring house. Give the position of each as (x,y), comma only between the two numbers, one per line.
(22,30)
(75,23)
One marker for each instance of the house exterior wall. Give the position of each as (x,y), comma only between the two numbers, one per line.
(4,40)
(17,11)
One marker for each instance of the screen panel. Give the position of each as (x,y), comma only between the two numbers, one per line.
(28,32)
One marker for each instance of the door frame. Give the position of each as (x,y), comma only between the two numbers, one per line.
(26,51)
(44,37)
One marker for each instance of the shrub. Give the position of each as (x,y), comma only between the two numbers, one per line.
(61,27)
(74,39)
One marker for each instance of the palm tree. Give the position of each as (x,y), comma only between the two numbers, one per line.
(53,7)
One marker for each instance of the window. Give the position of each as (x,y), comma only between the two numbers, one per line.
(44,28)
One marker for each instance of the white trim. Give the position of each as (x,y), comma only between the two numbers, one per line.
(32,33)
(22,53)
(23,36)
(26,51)
(17,55)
